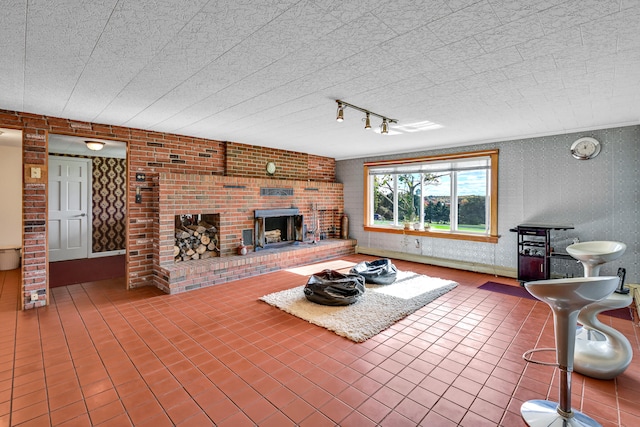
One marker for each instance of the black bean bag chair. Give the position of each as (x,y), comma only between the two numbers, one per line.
(332,288)
(378,272)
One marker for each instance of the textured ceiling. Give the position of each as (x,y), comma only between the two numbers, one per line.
(268,72)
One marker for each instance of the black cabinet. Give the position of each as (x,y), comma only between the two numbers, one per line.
(534,250)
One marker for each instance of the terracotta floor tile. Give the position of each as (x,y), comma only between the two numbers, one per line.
(217,356)
(106,412)
(356,419)
(67,414)
(374,409)
(450,410)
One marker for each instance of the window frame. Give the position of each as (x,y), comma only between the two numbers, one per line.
(490,237)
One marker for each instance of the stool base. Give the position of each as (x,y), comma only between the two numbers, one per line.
(544,413)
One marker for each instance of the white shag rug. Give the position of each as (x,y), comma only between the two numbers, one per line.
(377,309)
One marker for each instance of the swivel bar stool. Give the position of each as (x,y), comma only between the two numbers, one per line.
(601,351)
(566,297)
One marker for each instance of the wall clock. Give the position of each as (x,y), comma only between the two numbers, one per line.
(271,168)
(585,148)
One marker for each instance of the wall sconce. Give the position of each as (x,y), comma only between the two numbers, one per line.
(384,127)
(94,145)
(138,195)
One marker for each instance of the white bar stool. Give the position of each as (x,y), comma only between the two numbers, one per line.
(601,351)
(566,297)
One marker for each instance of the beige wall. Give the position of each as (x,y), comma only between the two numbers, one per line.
(11,196)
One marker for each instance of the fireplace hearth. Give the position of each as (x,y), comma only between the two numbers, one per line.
(277,227)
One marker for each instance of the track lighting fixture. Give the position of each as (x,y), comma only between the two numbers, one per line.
(94,145)
(384,127)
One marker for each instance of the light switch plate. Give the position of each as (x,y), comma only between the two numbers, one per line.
(36,173)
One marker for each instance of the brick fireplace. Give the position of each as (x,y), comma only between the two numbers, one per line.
(240,204)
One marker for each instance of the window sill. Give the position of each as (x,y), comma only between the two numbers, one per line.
(434,234)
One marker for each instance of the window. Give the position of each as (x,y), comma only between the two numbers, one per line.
(449,196)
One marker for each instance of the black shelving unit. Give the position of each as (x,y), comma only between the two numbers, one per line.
(534,250)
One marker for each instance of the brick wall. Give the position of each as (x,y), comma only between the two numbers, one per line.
(152,153)
(235,199)
(322,168)
(250,161)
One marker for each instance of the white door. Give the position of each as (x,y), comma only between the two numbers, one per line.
(68,208)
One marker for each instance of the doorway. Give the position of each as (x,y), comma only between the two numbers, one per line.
(87,210)
(11,170)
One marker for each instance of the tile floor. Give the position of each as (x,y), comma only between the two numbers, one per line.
(103,356)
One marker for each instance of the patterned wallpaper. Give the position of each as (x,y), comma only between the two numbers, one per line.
(109,204)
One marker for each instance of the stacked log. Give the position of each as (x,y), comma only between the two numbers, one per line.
(196,242)
(273,236)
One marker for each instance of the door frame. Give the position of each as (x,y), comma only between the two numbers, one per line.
(81,138)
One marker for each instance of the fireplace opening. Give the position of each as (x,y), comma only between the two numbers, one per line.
(277,227)
(196,237)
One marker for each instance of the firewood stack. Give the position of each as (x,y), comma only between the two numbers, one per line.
(196,242)
(273,236)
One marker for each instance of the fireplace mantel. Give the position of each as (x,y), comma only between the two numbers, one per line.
(270,213)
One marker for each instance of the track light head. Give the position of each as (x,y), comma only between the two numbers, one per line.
(384,127)
(367,122)
(340,115)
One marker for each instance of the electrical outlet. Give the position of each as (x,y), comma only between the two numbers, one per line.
(34,296)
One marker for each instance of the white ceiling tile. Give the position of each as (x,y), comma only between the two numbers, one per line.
(59,42)
(510,34)
(441,75)
(418,41)
(528,66)
(405,15)
(512,10)
(465,23)
(570,38)
(453,54)
(12,65)
(232,70)
(211,33)
(576,12)
(484,79)
(303,23)
(348,11)
(455,5)
(494,60)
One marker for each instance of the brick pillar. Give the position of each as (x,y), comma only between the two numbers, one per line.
(34,193)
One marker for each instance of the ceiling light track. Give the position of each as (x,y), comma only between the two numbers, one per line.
(386,121)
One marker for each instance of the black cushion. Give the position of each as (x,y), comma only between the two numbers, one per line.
(330,287)
(379,272)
